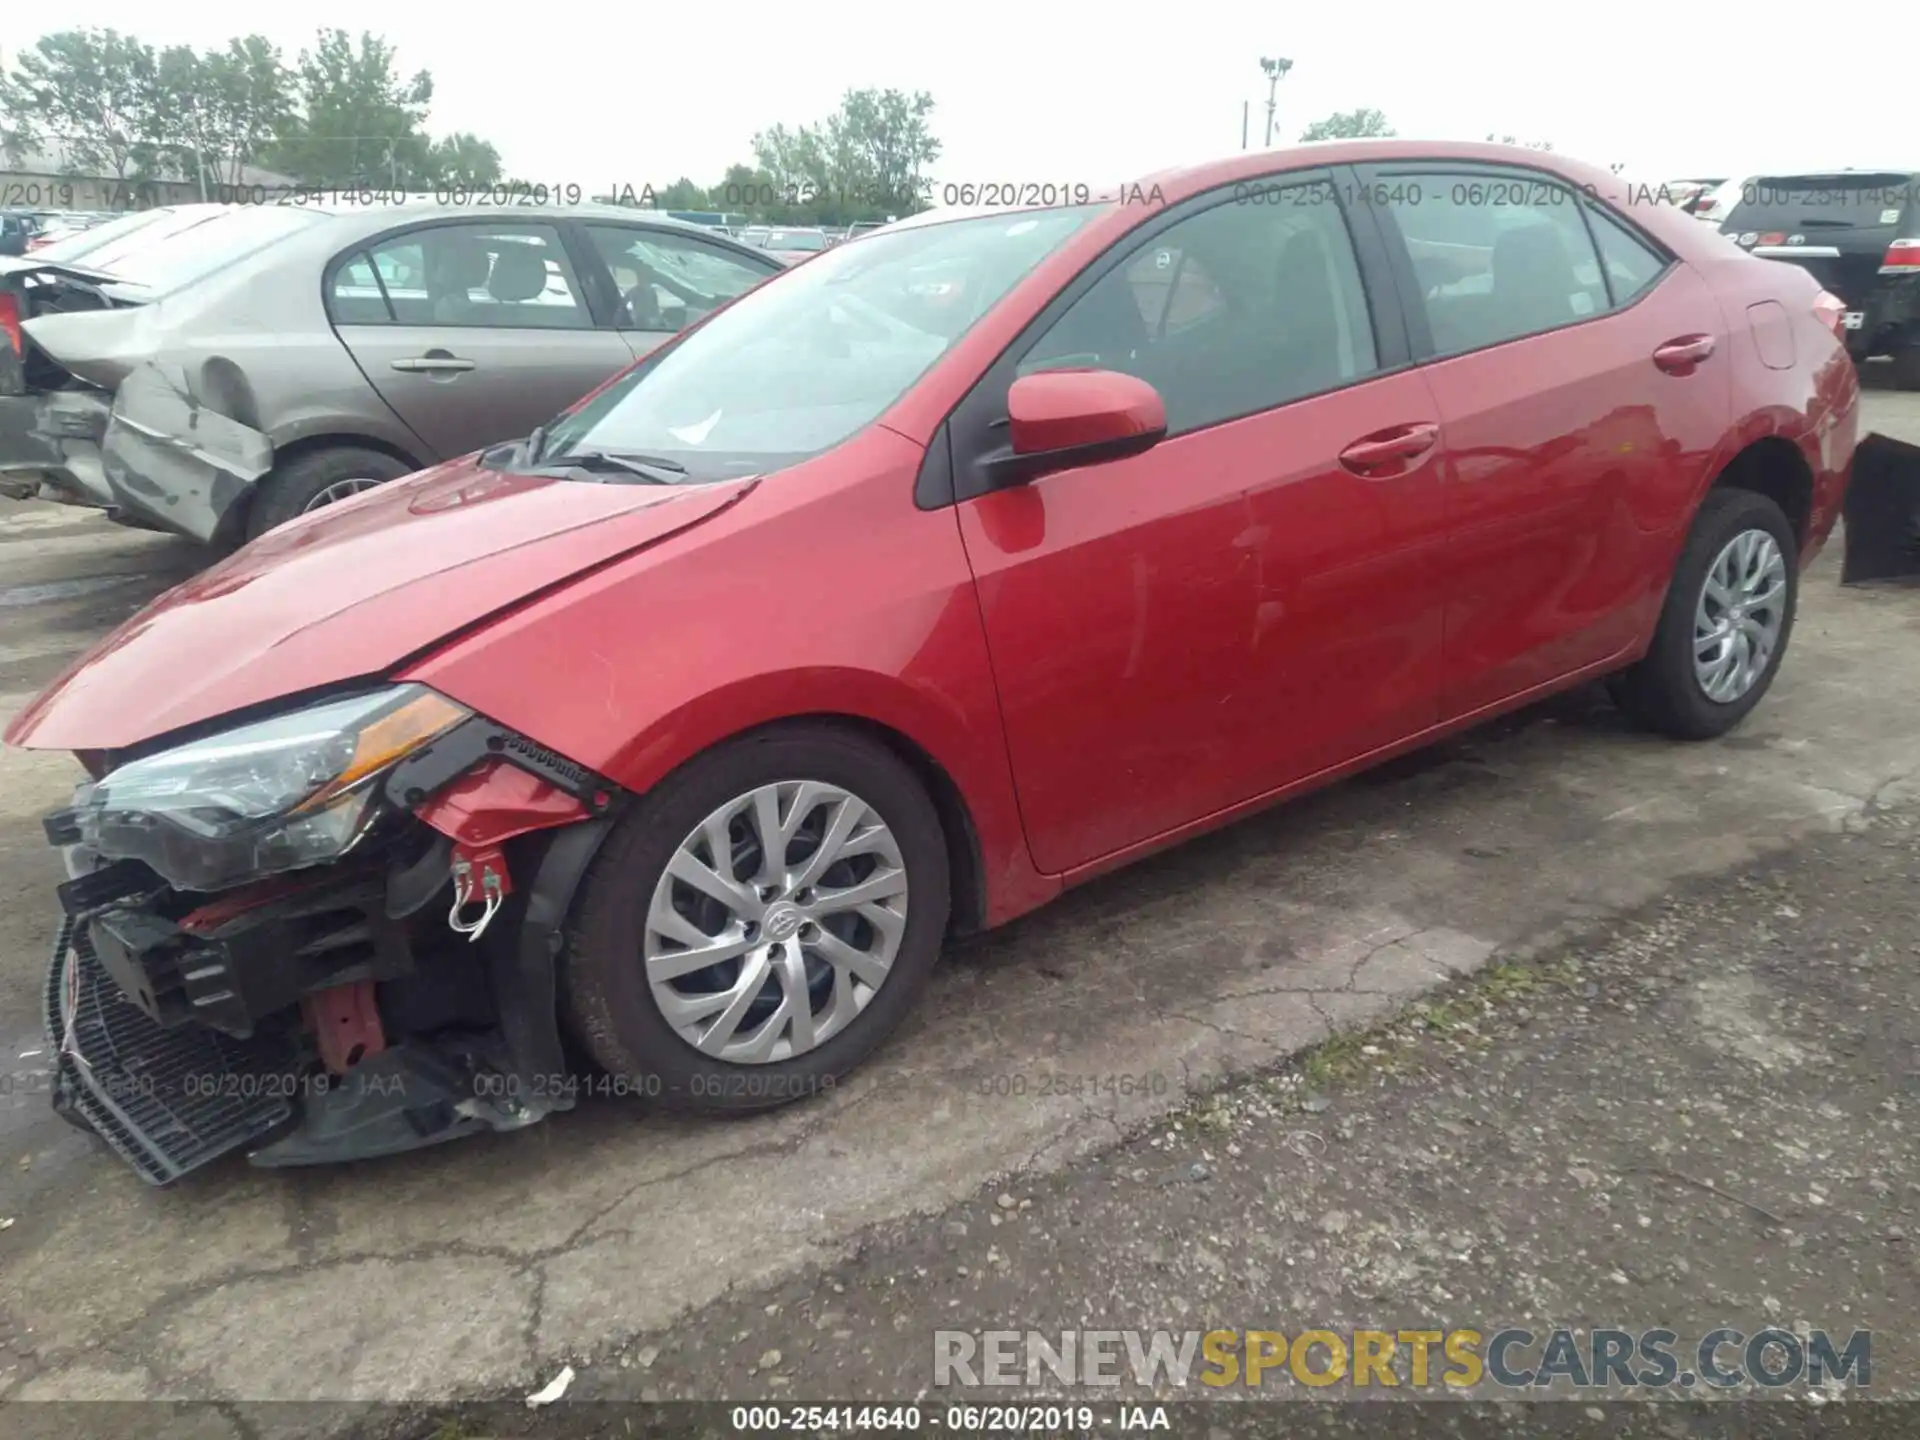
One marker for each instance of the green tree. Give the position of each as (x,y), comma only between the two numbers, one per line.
(866,161)
(93,93)
(1358,124)
(797,175)
(462,158)
(683,194)
(220,110)
(880,144)
(360,119)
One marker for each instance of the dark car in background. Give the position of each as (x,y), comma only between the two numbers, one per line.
(790,245)
(16,233)
(1858,233)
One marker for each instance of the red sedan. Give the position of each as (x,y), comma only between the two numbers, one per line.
(931,577)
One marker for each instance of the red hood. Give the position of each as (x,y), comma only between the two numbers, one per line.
(347,592)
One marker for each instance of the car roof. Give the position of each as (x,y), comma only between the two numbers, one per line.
(427,207)
(1177,183)
(1829,172)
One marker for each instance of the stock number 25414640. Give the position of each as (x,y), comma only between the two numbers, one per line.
(1070,1082)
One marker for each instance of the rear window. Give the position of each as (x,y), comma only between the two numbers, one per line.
(184,256)
(98,246)
(1856,200)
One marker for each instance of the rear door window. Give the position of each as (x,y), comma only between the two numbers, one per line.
(1630,262)
(514,277)
(1494,259)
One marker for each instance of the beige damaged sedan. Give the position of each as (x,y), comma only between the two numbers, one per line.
(275,358)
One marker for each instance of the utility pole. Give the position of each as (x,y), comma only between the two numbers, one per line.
(1245,106)
(1275,69)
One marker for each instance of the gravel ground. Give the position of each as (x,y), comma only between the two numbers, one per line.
(1703,1116)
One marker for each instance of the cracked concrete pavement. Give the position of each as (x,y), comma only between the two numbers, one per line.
(480,1266)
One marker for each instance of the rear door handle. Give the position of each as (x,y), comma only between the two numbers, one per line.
(1679,357)
(1389,447)
(433,364)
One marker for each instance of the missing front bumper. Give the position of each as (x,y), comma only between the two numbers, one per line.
(169,1100)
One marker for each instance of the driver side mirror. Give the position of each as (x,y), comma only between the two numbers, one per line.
(1064,419)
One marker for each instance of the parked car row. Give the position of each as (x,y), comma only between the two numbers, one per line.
(791,244)
(956,566)
(25,230)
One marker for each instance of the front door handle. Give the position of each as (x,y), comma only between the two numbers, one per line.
(434,362)
(1389,447)
(1679,357)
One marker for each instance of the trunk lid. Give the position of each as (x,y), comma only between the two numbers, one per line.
(100,346)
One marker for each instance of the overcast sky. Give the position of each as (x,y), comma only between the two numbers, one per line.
(1030,92)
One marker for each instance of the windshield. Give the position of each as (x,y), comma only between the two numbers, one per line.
(802,363)
(796,240)
(1859,201)
(190,253)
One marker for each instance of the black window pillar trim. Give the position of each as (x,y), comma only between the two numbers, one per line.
(597,288)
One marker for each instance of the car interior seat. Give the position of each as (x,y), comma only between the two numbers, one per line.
(1534,283)
(456,267)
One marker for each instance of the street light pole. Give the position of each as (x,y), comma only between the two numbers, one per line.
(1275,69)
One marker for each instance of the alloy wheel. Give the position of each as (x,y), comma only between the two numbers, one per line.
(338,490)
(1739,616)
(776,922)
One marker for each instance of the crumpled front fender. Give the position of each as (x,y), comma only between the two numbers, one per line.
(170,460)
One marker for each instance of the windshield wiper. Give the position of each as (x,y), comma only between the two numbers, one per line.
(655,468)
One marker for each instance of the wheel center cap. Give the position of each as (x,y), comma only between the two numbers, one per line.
(783,921)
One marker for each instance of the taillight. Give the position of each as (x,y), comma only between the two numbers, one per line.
(10,322)
(1903,258)
(1831,309)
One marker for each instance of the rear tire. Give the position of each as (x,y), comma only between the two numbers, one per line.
(613,994)
(292,487)
(1666,690)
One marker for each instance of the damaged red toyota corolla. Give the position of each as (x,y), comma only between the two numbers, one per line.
(969,560)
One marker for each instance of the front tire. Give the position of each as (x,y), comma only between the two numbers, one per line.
(315,479)
(807,867)
(1724,628)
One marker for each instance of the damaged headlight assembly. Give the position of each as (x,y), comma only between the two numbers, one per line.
(280,794)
